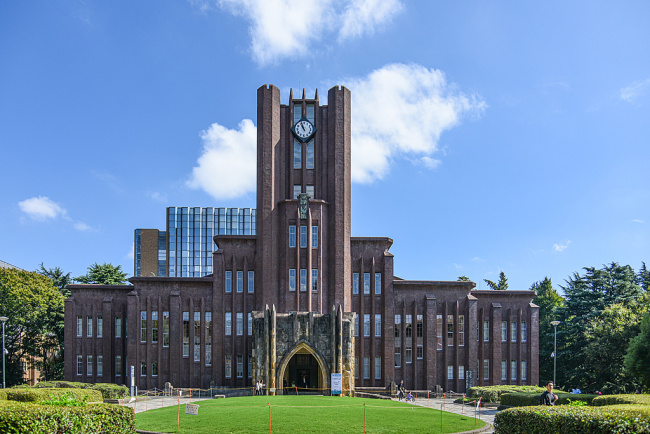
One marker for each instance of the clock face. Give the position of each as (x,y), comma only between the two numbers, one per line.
(303,129)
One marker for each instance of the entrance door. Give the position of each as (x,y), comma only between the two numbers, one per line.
(302,373)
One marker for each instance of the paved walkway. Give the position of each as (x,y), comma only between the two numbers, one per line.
(143,403)
(486,414)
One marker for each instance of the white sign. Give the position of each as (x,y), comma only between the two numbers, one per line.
(132,376)
(192,409)
(337,384)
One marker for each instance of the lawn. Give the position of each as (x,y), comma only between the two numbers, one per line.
(296,414)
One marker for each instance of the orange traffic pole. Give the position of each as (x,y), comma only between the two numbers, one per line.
(270,430)
(364,417)
(178,426)
(441,418)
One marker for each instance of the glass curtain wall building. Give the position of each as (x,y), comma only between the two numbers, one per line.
(185,248)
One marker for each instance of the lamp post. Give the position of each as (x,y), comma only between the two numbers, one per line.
(554,324)
(3,319)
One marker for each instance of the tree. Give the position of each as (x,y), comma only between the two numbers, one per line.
(463,279)
(637,359)
(501,286)
(549,302)
(34,308)
(105,274)
(643,278)
(59,279)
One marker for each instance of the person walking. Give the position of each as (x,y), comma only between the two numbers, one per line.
(400,390)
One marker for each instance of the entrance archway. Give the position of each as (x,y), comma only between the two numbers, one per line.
(303,367)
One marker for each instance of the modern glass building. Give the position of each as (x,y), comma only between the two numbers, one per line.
(185,248)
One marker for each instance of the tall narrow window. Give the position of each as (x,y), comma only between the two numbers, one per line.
(504,331)
(461,372)
(186,334)
(408,326)
(377,368)
(297,112)
(303,236)
(292,279)
(356,325)
(398,341)
(303,279)
(118,366)
(297,154)
(240,366)
(419,352)
(208,338)
(366,367)
(461,330)
(143,326)
(100,365)
(439,332)
(524,333)
(450,330)
(80,365)
(486,331)
(408,355)
(240,324)
(100,327)
(297,189)
(292,235)
(524,375)
(80,325)
(310,112)
(154,369)
(240,281)
(314,237)
(504,370)
(356,367)
(309,163)
(228,324)
(419,328)
(377,325)
(513,370)
(366,324)
(355,283)
(377,283)
(314,280)
(513,331)
(143,369)
(450,372)
(89,365)
(89,327)
(165,328)
(486,369)
(228,370)
(366,283)
(251,282)
(197,336)
(250,366)
(154,326)
(309,189)
(118,326)
(228,281)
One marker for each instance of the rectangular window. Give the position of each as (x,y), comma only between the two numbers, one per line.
(197,336)
(377,368)
(292,279)
(89,366)
(186,334)
(303,279)
(355,283)
(251,282)
(154,369)
(439,332)
(143,369)
(118,326)
(297,189)
(450,330)
(356,325)
(408,355)
(314,237)
(366,367)
(461,372)
(240,366)
(398,340)
(524,333)
(377,325)
(250,366)
(461,330)
(228,370)
(80,325)
(250,324)
(486,369)
(408,326)
(419,328)
(118,366)
(309,160)
(228,281)
(523,370)
(100,366)
(240,323)
(310,191)
(228,324)
(89,327)
(513,370)
(208,338)
(165,328)
(356,367)
(366,324)
(377,283)
(486,331)
(450,372)
(292,236)
(366,283)
(303,236)
(513,331)
(100,327)
(154,326)
(80,365)
(240,281)
(419,352)
(504,331)
(297,154)
(314,280)
(297,112)
(504,370)
(143,326)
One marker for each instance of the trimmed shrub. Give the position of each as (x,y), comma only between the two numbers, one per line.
(108,390)
(39,396)
(18,417)
(493,393)
(579,420)
(529,399)
(3,394)
(621,399)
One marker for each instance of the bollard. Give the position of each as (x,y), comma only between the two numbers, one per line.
(364,417)
(146,402)
(178,426)
(463,408)
(270,430)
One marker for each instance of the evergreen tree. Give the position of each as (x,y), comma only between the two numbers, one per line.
(59,279)
(637,359)
(104,274)
(501,286)
(549,302)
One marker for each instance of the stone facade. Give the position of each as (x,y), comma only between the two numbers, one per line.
(302,299)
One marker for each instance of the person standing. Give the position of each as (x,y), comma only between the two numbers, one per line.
(400,390)
(548,397)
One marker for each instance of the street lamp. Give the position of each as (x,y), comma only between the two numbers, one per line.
(554,324)
(3,319)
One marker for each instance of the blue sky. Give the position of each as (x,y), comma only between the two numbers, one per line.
(488,136)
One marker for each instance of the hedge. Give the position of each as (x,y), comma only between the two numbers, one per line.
(621,399)
(18,417)
(39,396)
(108,390)
(493,393)
(564,419)
(529,399)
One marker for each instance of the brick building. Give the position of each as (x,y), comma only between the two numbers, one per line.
(301,298)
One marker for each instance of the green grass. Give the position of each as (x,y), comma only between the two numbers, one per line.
(304,414)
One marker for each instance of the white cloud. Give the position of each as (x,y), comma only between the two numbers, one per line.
(158,197)
(227,166)
(281,29)
(41,208)
(561,246)
(83,227)
(638,221)
(131,253)
(634,91)
(401,110)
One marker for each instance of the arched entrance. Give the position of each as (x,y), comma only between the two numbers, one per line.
(303,368)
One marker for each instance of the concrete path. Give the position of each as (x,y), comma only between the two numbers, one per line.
(485,414)
(143,403)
